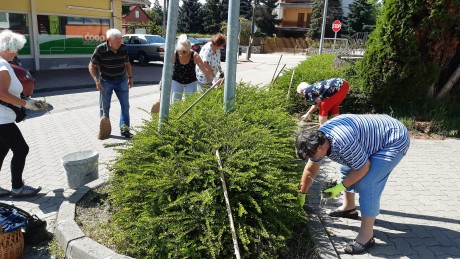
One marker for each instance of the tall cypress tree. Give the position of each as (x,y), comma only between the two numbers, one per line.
(246,9)
(213,13)
(189,19)
(361,18)
(265,19)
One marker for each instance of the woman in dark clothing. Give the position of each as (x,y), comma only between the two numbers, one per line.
(184,76)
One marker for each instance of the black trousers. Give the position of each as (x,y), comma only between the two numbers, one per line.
(11,138)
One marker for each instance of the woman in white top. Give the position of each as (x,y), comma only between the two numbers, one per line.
(210,54)
(10,136)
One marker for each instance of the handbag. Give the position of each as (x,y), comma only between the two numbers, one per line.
(19,111)
(34,228)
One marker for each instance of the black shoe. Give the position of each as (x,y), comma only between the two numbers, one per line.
(349,214)
(126,134)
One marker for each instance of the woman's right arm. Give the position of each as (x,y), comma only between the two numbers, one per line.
(5,81)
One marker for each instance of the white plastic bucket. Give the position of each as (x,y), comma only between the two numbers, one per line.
(81,167)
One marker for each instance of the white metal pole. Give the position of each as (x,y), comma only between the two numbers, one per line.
(323,27)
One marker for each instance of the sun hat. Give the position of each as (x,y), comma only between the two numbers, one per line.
(302,86)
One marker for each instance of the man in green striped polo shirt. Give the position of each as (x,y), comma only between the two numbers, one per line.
(111,71)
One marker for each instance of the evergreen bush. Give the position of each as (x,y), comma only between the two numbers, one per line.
(166,189)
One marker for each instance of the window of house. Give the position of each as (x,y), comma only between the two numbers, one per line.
(137,14)
(18,23)
(70,35)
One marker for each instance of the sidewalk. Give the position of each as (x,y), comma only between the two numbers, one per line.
(420,207)
(78,78)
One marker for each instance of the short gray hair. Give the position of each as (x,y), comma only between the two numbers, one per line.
(113,34)
(183,43)
(11,41)
(307,143)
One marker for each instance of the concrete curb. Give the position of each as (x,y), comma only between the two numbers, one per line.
(317,229)
(70,237)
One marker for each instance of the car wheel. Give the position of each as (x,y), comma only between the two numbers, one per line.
(143,59)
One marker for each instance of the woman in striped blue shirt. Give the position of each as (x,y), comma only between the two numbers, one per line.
(368,148)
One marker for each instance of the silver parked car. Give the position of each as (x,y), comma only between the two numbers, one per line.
(145,47)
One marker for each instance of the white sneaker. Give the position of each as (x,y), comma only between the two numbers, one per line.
(25,191)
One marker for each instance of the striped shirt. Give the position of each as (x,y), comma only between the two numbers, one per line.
(356,138)
(111,64)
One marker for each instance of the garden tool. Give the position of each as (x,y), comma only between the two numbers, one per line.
(215,85)
(104,125)
(229,210)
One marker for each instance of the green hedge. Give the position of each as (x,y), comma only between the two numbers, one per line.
(167,192)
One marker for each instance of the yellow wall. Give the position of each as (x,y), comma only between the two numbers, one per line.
(60,7)
(291,14)
(15,5)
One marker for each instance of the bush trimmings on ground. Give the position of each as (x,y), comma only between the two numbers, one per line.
(166,189)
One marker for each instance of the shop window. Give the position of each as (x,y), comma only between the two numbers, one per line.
(70,35)
(18,23)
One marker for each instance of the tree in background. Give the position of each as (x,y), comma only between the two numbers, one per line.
(265,19)
(361,17)
(246,9)
(155,26)
(190,19)
(334,11)
(214,13)
(413,52)
(244,33)
(155,13)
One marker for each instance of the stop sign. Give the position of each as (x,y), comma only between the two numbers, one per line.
(336,25)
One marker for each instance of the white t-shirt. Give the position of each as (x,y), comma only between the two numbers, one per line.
(213,59)
(6,114)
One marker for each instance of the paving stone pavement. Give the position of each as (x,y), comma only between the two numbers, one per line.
(420,207)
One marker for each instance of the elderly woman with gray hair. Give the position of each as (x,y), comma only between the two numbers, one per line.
(10,102)
(184,75)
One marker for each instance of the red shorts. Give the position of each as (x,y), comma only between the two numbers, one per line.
(331,104)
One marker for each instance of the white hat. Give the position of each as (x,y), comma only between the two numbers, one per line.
(302,86)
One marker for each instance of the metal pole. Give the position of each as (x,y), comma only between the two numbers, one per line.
(248,53)
(232,48)
(335,37)
(165,10)
(166,76)
(323,27)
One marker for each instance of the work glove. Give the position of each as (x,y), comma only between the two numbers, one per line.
(332,192)
(301,199)
(35,105)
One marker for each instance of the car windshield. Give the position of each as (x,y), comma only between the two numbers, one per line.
(155,39)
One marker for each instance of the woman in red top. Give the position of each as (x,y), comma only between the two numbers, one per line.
(325,95)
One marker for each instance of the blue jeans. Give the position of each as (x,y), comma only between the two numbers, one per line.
(121,89)
(371,186)
(178,89)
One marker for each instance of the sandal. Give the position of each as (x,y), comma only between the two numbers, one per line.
(349,214)
(356,248)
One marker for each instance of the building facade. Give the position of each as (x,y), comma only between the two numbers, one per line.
(61,34)
(295,15)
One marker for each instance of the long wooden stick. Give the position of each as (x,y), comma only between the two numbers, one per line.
(229,210)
